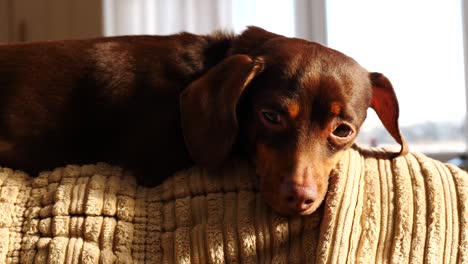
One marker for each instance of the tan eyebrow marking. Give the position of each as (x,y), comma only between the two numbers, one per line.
(335,108)
(293,110)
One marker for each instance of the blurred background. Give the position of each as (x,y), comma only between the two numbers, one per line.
(417,44)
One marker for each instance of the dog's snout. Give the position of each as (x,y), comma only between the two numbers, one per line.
(300,198)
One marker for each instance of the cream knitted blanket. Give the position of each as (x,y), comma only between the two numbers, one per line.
(409,210)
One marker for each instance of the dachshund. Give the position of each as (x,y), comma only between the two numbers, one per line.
(159,104)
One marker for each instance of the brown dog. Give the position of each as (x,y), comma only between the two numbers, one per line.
(158,104)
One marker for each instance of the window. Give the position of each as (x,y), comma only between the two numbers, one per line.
(418,45)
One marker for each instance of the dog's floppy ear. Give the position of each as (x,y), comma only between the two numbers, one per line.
(385,104)
(208,109)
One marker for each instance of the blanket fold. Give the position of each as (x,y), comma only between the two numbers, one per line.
(408,210)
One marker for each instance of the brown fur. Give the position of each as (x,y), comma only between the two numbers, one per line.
(158,104)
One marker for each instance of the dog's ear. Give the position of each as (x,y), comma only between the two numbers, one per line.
(208,109)
(385,104)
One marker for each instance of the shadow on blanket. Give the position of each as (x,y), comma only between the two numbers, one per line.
(412,209)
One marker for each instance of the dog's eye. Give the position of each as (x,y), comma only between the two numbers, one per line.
(343,131)
(271,116)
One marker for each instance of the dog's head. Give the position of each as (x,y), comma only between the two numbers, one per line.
(293,105)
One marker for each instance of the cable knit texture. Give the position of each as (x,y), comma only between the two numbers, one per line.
(408,210)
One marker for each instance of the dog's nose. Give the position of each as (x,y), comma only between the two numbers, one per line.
(300,198)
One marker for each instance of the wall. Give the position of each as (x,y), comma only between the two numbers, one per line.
(26,20)
(4,32)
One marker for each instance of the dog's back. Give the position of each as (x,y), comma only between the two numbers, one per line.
(107,99)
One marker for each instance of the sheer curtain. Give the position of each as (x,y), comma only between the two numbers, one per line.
(129,17)
(293,18)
